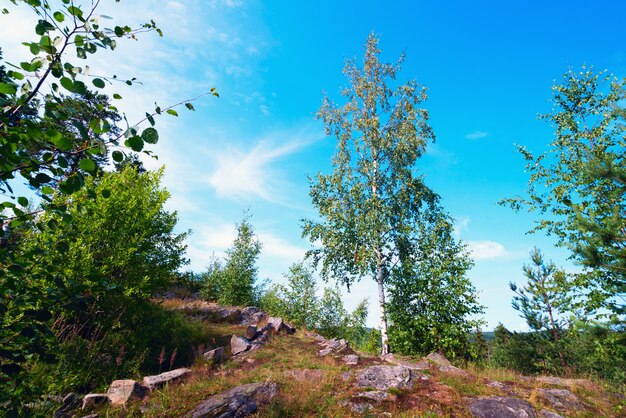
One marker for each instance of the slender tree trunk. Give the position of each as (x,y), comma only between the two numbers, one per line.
(381,301)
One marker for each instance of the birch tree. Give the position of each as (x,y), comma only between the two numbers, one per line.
(374,194)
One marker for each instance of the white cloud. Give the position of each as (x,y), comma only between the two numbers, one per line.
(485,250)
(274,246)
(241,174)
(477,135)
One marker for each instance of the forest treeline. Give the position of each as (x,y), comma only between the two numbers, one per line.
(82,262)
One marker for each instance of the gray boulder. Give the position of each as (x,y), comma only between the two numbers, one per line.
(439,359)
(499,407)
(241,401)
(560,399)
(278,325)
(387,377)
(251,315)
(162,379)
(215,356)
(122,391)
(351,359)
(239,345)
(377,396)
(333,346)
(251,332)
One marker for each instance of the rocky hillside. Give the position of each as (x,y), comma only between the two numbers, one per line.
(262,366)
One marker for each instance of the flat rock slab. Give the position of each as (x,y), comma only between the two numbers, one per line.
(544,413)
(162,379)
(454,371)
(561,381)
(377,396)
(122,391)
(415,365)
(499,407)
(387,377)
(241,401)
(439,359)
(560,399)
(239,345)
(310,375)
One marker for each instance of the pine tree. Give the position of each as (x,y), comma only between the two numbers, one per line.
(543,298)
(578,187)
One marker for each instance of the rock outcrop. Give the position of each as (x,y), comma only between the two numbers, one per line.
(560,399)
(501,407)
(387,377)
(241,401)
(239,345)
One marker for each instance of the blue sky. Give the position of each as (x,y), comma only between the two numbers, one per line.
(488,66)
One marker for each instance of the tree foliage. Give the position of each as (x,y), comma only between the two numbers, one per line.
(234,281)
(55,132)
(544,297)
(433,305)
(578,186)
(297,300)
(373,197)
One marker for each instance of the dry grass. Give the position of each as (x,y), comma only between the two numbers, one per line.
(321,396)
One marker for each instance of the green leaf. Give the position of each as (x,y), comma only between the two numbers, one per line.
(172,112)
(106,193)
(64,144)
(99,126)
(47,190)
(22,201)
(119,32)
(118,156)
(42,178)
(67,84)
(150,135)
(135,143)
(98,82)
(87,164)
(117,96)
(7,89)
(58,16)
(189,106)
(75,11)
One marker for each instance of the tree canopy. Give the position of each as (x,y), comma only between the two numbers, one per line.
(374,197)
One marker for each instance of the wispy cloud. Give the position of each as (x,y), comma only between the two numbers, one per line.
(245,174)
(477,135)
(485,250)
